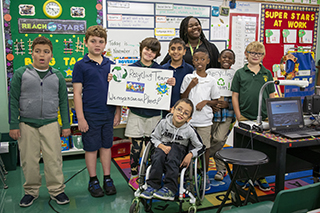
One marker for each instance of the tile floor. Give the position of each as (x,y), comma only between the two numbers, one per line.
(76,189)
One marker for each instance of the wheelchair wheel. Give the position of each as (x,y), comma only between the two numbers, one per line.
(192,209)
(200,176)
(145,162)
(134,208)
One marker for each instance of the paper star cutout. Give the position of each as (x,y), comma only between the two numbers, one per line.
(68,72)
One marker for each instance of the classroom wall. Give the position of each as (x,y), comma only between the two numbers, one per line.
(4,126)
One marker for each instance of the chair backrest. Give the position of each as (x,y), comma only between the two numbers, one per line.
(297,200)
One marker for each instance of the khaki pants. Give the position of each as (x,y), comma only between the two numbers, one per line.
(32,141)
(219,137)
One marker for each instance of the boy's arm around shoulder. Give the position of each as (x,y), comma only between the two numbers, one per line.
(196,142)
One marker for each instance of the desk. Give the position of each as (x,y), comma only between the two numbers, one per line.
(278,149)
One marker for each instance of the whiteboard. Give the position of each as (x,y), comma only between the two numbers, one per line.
(140,8)
(185,10)
(174,22)
(240,40)
(221,45)
(126,21)
(125,43)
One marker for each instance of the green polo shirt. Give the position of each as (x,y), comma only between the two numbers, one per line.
(248,85)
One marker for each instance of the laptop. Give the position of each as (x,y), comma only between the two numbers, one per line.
(286,118)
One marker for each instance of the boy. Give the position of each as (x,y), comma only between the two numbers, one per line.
(37,129)
(141,121)
(95,118)
(201,89)
(177,49)
(222,118)
(246,85)
(171,138)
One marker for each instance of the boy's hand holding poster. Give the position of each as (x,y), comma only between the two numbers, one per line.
(140,87)
(224,79)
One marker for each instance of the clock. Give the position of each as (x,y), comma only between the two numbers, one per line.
(52,9)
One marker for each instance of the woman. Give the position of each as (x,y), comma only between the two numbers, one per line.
(192,34)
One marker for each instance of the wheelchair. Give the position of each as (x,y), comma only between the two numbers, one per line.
(192,183)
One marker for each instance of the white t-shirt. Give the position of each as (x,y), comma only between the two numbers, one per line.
(206,89)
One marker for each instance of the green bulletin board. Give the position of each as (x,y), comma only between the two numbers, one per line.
(26,20)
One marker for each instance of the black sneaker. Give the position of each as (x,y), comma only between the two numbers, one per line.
(61,198)
(95,189)
(27,200)
(108,186)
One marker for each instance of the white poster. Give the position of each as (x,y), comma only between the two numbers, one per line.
(243,33)
(223,79)
(140,87)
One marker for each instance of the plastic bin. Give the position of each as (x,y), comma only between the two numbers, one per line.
(120,148)
(10,159)
(77,141)
(65,143)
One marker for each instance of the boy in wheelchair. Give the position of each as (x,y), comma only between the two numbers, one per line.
(171,138)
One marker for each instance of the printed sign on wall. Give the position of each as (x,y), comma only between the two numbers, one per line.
(140,87)
(52,26)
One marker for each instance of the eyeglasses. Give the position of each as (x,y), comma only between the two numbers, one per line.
(183,112)
(255,54)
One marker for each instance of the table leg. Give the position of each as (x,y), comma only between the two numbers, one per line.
(280,169)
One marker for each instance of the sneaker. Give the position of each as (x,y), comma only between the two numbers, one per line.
(61,198)
(243,184)
(263,184)
(148,193)
(27,200)
(164,193)
(220,175)
(208,186)
(133,182)
(108,187)
(95,189)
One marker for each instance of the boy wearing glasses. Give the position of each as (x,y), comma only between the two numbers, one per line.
(246,85)
(171,138)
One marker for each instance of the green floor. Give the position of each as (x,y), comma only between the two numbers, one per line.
(76,189)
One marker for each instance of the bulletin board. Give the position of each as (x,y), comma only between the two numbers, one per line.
(283,25)
(285,28)
(26,20)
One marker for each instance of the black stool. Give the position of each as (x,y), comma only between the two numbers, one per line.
(241,159)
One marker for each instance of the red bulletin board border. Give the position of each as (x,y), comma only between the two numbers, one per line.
(246,15)
(274,52)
